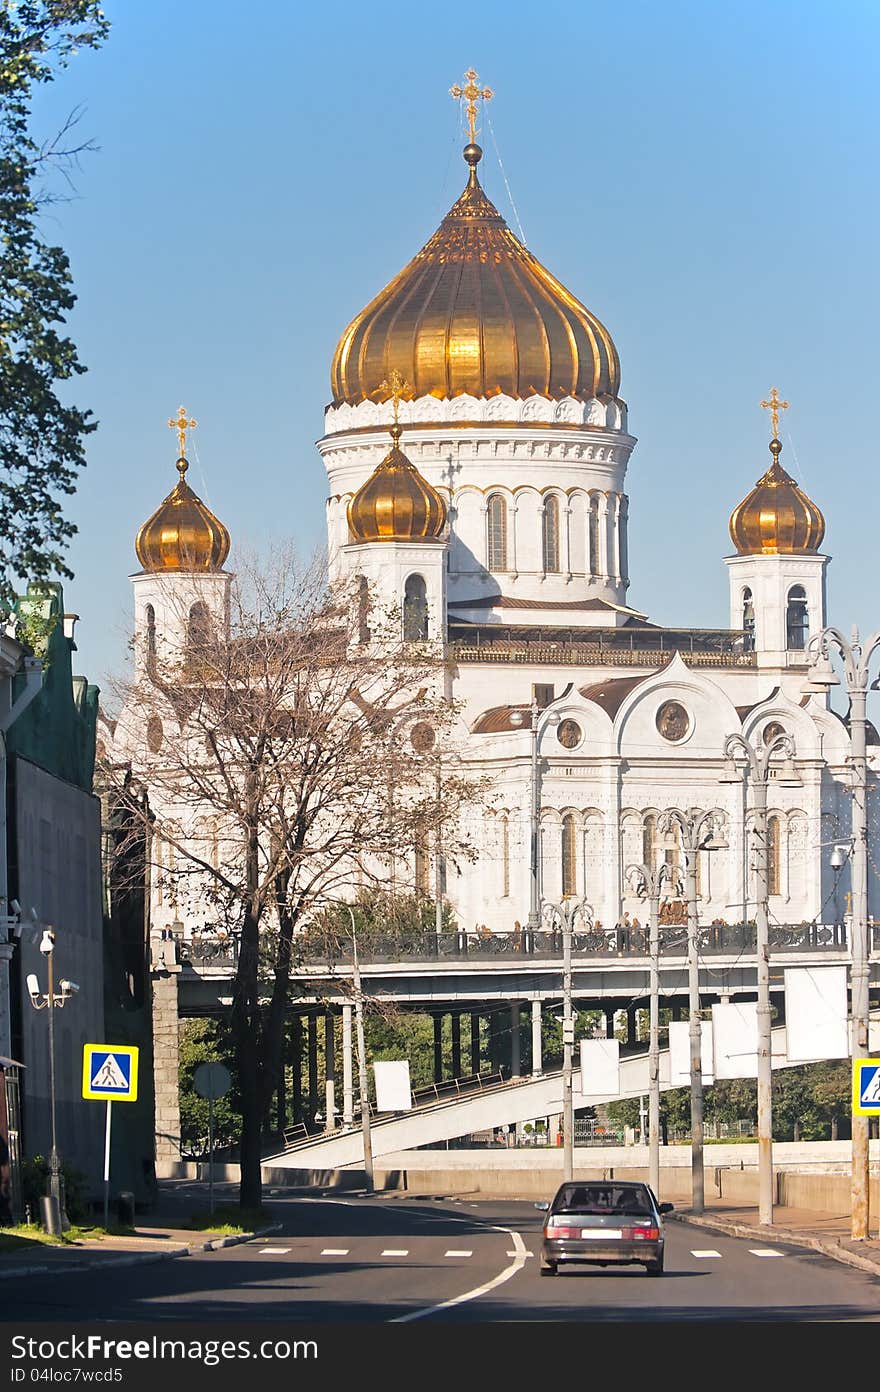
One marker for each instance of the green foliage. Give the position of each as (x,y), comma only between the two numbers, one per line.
(206,1041)
(378,914)
(35,1185)
(42,439)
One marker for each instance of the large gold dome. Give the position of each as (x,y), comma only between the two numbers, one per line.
(475,312)
(777,517)
(182,534)
(396,503)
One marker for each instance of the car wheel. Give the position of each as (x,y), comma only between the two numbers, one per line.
(654,1268)
(549,1269)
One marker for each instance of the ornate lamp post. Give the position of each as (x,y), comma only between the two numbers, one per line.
(49,1001)
(565,914)
(856,660)
(518,719)
(648,883)
(696,833)
(757,769)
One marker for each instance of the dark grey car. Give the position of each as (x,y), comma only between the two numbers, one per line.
(604,1223)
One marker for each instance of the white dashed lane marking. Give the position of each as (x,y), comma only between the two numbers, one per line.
(274,1251)
(454,1253)
(396,1252)
(705,1252)
(765,1252)
(334,1251)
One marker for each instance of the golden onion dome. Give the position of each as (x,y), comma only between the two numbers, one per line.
(182,534)
(777,517)
(396,503)
(476,312)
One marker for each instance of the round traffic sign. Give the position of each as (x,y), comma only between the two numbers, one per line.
(212,1080)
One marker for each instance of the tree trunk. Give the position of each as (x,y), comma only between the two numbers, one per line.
(246,1031)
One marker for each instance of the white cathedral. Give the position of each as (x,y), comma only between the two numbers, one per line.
(496,524)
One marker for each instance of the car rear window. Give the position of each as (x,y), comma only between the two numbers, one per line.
(604,1198)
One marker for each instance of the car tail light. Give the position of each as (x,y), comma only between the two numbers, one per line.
(642,1234)
(554,1229)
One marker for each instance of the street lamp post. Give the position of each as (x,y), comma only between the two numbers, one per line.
(518,719)
(856,660)
(757,768)
(362,1056)
(696,833)
(648,883)
(49,1001)
(566,912)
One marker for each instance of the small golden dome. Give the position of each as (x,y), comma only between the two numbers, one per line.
(182,534)
(396,503)
(777,517)
(475,312)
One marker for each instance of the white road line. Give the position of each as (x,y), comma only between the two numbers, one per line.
(334,1251)
(453,1253)
(396,1252)
(516,1265)
(765,1252)
(516,1254)
(274,1251)
(705,1252)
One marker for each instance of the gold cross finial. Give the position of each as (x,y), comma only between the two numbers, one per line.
(182,425)
(473,93)
(774,406)
(396,387)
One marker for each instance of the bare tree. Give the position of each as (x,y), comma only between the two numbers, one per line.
(273,739)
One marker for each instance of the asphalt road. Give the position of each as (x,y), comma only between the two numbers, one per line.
(408,1260)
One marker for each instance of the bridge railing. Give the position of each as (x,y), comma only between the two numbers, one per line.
(624,940)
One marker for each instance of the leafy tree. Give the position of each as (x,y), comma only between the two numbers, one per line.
(41,437)
(206,1041)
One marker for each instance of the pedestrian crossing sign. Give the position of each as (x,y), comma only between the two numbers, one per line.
(110,1072)
(866,1087)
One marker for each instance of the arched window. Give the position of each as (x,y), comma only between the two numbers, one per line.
(496,533)
(649,840)
(774,855)
(198,626)
(550,527)
(594,535)
(505,856)
(797,622)
(421,867)
(363,609)
(415,610)
(569,856)
(748,621)
(150,616)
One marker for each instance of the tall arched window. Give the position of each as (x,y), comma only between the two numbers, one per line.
(496,533)
(797,622)
(569,856)
(649,840)
(774,855)
(150,617)
(594,535)
(748,621)
(415,610)
(505,856)
(550,526)
(422,875)
(363,610)
(198,626)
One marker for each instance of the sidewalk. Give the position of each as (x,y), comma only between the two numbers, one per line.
(828,1233)
(159,1235)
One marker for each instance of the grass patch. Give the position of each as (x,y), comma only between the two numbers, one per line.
(23,1235)
(229,1220)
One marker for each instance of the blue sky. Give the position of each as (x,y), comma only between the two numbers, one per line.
(701,175)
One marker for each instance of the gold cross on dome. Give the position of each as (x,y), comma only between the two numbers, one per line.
(774,406)
(396,387)
(182,425)
(473,93)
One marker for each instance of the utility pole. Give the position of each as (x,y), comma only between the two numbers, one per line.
(856,659)
(518,719)
(564,914)
(697,833)
(648,881)
(757,768)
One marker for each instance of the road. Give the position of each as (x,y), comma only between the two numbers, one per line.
(403,1259)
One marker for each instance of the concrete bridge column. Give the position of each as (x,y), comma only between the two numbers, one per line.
(438,1048)
(677,1006)
(631,1031)
(475,1041)
(537,1057)
(313,1066)
(609,1022)
(347,1068)
(456,1043)
(166,1064)
(296,1063)
(329,1071)
(515,1062)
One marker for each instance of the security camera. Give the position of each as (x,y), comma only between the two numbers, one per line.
(34,916)
(839,856)
(68,988)
(47,942)
(15,907)
(33,986)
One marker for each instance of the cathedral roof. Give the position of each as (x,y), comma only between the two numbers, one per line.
(396,503)
(777,517)
(183,534)
(475,312)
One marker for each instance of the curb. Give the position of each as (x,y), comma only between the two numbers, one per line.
(834,1250)
(234,1239)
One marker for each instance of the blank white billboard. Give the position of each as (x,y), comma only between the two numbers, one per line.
(735,1039)
(600,1068)
(680,1052)
(815,1014)
(393,1092)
